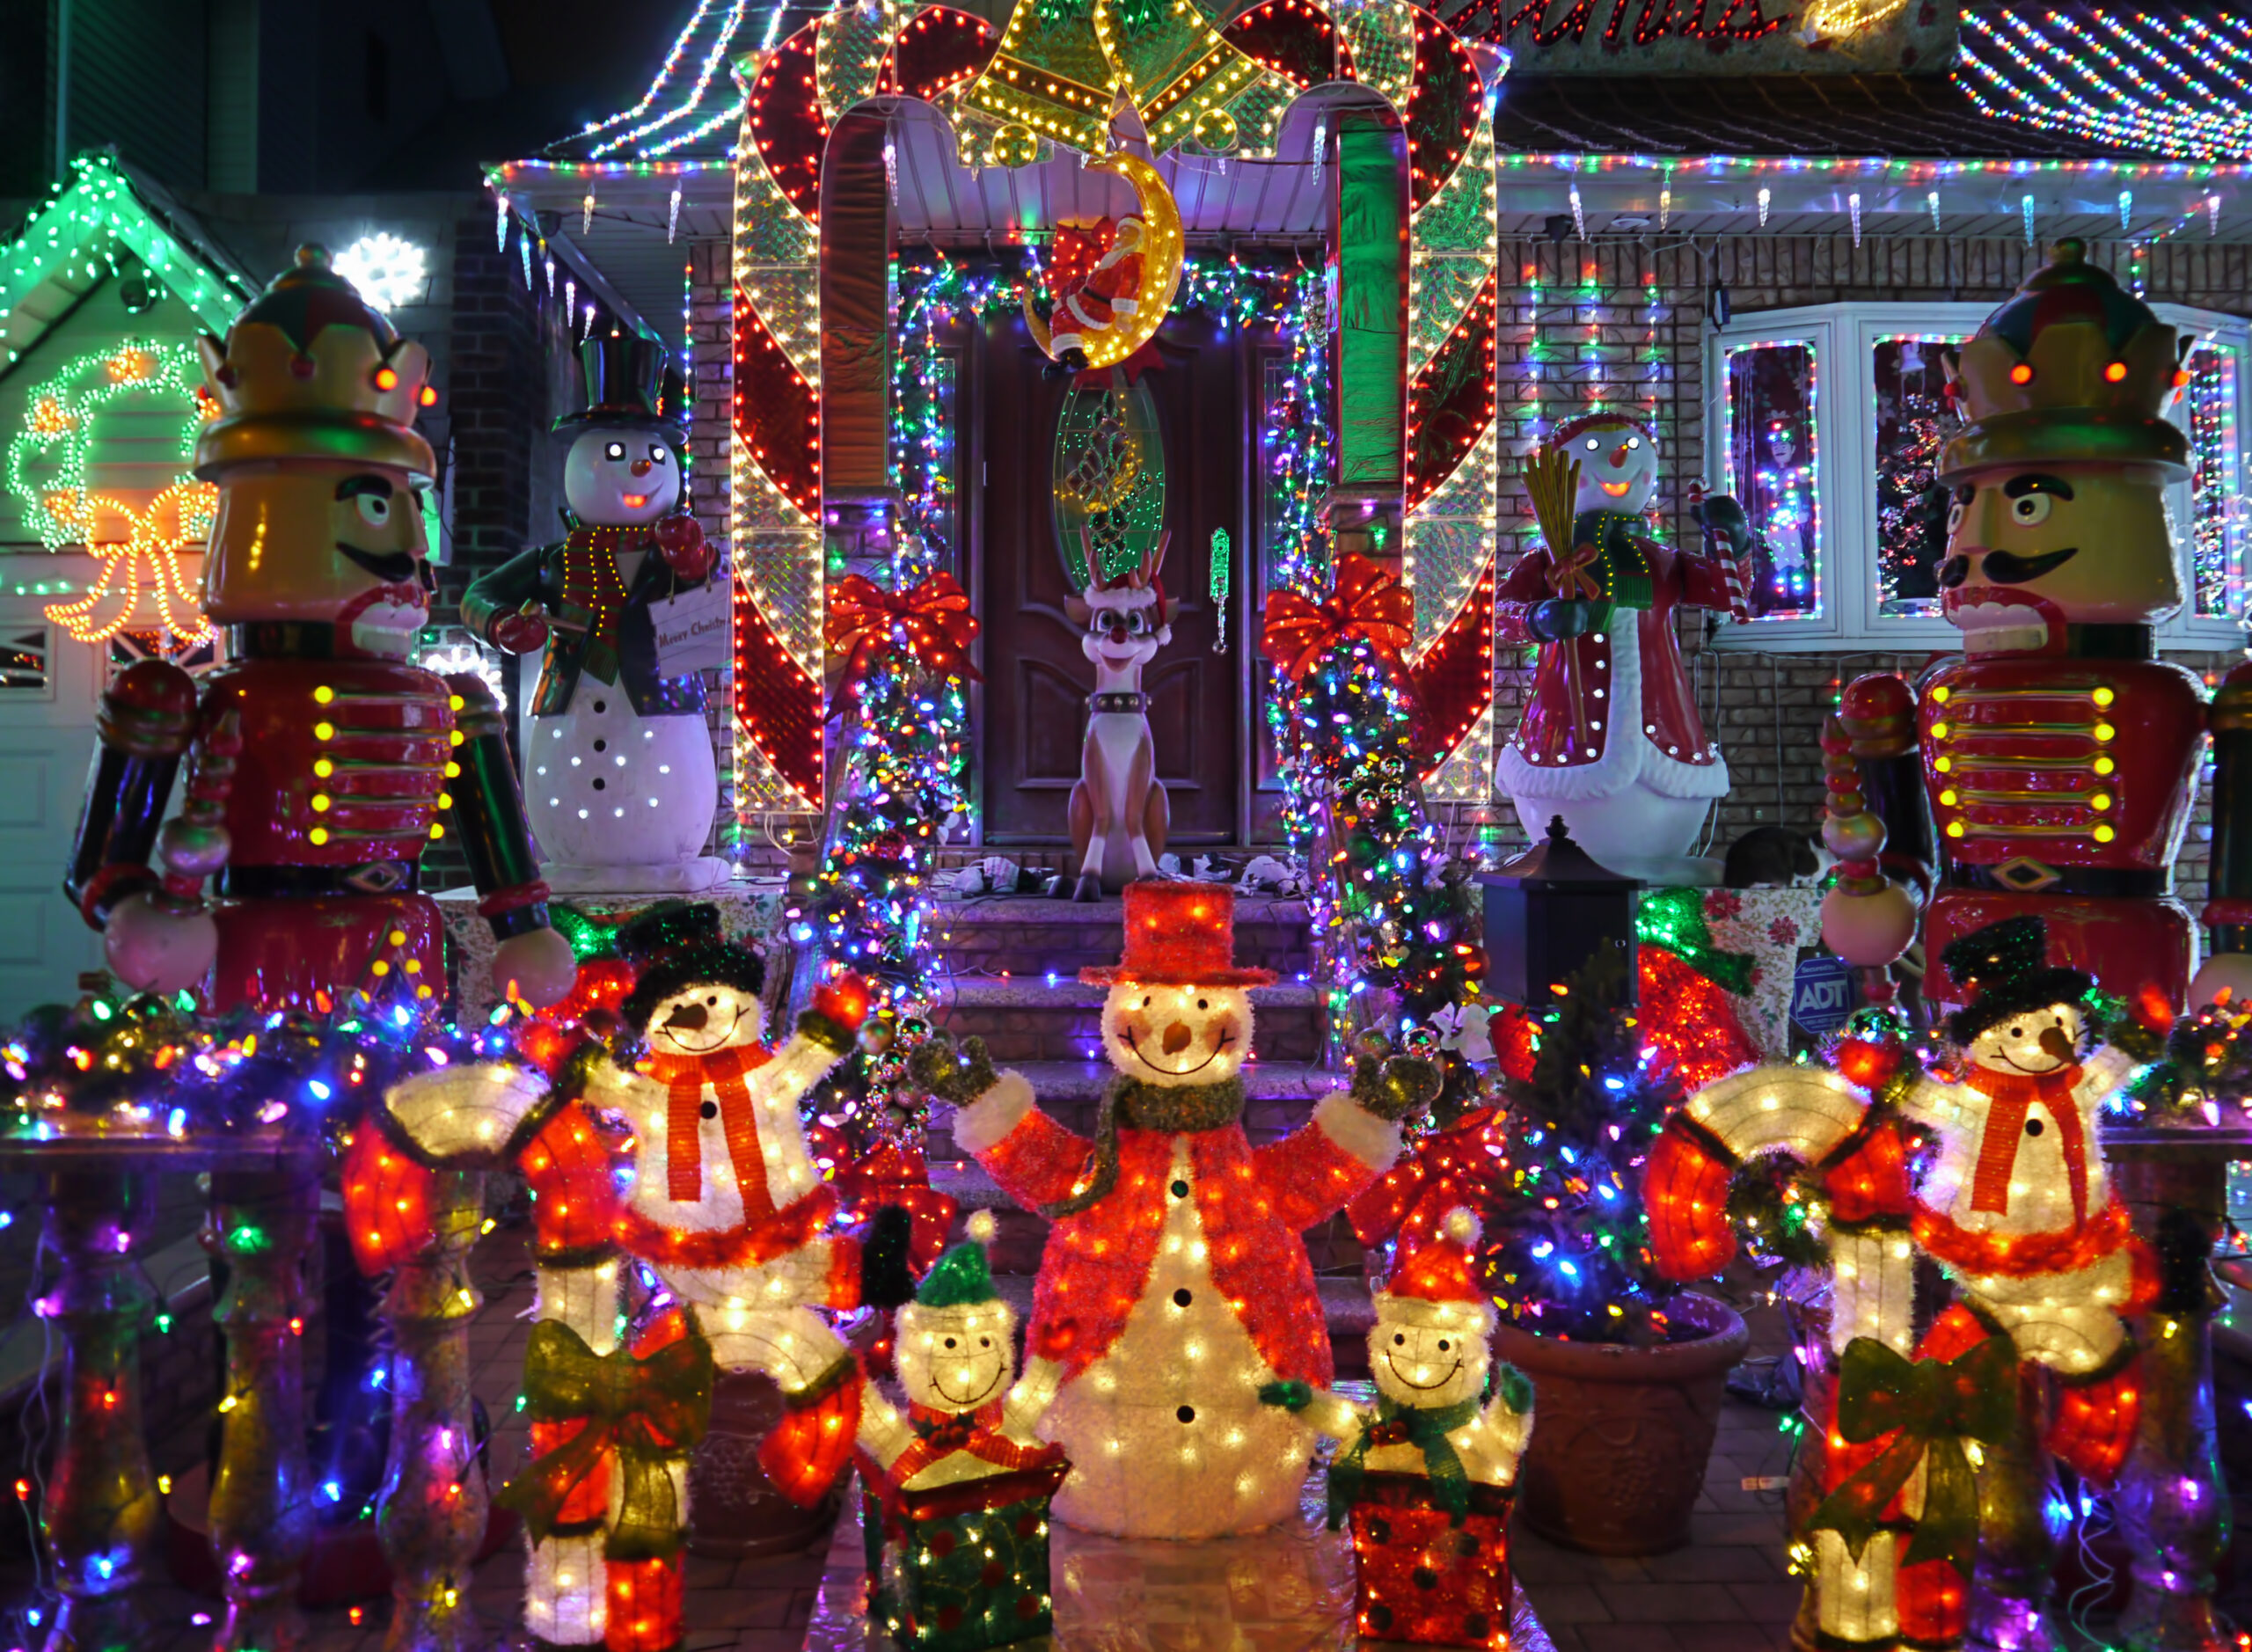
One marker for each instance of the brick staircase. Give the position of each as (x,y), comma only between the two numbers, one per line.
(1009,972)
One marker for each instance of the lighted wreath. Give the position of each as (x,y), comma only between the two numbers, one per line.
(47,469)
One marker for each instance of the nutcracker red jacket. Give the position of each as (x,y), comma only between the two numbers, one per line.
(1254,1203)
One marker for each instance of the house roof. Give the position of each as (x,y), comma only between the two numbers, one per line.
(70,244)
(1929,117)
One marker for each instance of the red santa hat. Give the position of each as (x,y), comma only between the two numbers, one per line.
(1589,421)
(1436,1283)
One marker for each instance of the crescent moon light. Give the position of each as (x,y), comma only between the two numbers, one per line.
(1161,253)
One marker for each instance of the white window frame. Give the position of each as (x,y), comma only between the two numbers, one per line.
(1844,338)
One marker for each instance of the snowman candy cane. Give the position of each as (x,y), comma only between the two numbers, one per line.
(725,1210)
(2016,1207)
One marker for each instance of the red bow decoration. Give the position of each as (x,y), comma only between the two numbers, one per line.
(935,616)
(1369,603)
(1573,577)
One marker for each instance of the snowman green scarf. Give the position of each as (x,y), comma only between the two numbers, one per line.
(1427,1430)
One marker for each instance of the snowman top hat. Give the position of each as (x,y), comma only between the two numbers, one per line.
(1179,934)
(628,385)
(1438,1281)
(675,945)
(2004,969)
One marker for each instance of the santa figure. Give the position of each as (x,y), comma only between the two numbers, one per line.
(1427,1476)
(1176,1285)
(955,1515)
(724,1205)
(1095,281)
(1610,738)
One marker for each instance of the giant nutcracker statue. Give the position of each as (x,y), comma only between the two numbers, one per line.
(1610,739)
(620,762)
(2058,752)
(321,760)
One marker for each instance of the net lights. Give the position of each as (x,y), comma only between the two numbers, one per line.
(2172,86)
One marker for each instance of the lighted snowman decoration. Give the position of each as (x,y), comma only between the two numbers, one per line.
(1429,1353)
(1610,738)
(621,784)
(1175,1283)
(966,1417)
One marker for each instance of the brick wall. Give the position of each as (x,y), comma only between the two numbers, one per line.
(1767,710)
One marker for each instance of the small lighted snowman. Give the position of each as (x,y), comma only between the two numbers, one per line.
(967,1416)
(1429,1353)
(621,784)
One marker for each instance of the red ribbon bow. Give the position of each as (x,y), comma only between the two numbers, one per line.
(1369,603)
(935,616)
(1573,577)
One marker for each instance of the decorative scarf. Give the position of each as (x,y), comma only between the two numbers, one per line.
(1172,1108)
(1426,1430)
(2009,1095)
(1604,565)
(592,587)
(685,1078)
(940,1433)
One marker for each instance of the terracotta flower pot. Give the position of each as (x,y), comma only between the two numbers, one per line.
(1621,1436)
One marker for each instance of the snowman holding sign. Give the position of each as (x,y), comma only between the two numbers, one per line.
(620,783)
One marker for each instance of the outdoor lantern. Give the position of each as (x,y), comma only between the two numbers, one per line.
(1547,912)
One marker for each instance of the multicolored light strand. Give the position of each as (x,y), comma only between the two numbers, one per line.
(2168,87)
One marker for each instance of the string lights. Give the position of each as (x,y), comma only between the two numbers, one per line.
(50,467)
(2127,79)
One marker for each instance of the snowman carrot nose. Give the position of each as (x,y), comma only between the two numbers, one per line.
(2054,1041)
(688,1017)
(1618,454)
(640,467)
(1176,1038)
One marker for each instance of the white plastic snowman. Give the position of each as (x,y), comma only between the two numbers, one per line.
(621,784)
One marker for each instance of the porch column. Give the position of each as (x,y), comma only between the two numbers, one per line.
(858,232)
(1364,510)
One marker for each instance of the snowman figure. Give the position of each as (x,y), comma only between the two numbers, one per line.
(955,1514)
(620,782)
(1175,1283)
(724,1205)
(1610,738)
(1425,1475)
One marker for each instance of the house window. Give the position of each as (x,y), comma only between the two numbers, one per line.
(1829,421)
(1774,467)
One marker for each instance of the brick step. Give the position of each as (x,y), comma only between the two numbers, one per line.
(1023,1020)
(1030,936)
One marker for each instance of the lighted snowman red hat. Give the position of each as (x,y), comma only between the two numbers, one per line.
(1178,1011)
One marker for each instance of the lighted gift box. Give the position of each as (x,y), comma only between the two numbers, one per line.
(959,1566)
(1423,1579)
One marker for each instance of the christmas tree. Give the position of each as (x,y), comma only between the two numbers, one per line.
(1569,1249)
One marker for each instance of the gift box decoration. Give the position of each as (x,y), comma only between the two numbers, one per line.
(1427,1577)
(964,1566)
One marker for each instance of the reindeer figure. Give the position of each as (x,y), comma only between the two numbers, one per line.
(1118,816)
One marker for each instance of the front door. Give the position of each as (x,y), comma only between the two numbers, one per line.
(1036,678)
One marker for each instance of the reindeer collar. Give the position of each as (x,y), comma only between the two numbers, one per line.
(1119,700)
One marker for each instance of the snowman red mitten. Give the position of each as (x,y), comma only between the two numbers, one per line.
(681,543)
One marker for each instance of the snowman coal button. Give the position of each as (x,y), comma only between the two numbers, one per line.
(1187,1414)
(1181,1190)
(1183,1297)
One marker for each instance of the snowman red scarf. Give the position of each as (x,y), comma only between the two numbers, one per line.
(685,1078)
(2010,1095)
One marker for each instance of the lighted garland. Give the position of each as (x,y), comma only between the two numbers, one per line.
(46,467)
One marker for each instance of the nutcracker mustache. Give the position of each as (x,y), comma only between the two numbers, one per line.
(393,568)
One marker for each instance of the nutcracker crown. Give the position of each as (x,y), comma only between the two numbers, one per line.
(2072,369)
(311,371)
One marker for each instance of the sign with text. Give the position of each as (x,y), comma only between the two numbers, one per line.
(1822,994)
(693,628)
(1726,37)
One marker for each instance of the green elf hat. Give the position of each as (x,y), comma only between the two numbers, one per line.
(962,1278)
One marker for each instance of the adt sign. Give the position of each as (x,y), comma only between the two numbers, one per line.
(1822,994)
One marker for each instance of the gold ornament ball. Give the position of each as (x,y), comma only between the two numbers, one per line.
(1215,130)
(1014,145)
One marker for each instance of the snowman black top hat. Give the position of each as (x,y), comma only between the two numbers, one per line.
(628,385)
(675,945)
(2005,968)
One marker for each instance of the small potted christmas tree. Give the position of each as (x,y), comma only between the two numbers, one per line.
(1629,1368)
